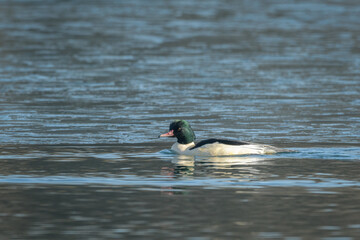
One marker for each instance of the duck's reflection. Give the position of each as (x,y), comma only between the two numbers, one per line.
(183,165)
(234,169)
(214,166)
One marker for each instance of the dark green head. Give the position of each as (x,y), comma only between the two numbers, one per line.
(180,129)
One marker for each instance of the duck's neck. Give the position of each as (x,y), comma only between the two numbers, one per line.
(180,148)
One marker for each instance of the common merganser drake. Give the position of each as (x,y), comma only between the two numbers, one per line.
(185,145)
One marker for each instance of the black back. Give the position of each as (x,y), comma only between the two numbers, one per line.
(214,140)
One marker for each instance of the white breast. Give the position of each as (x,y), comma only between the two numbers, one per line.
(182,148)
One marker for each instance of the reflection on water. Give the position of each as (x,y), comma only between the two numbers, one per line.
(217,166)
(109,191)
(114,165)
(86,86)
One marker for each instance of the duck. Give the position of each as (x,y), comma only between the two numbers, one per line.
(185,144)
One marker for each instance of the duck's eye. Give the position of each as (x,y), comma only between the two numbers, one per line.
(179,129)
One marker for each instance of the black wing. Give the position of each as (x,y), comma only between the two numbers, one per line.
(214,140)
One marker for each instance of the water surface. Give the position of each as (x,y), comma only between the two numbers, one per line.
(86,88)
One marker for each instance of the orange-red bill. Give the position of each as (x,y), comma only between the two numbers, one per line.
(169,134)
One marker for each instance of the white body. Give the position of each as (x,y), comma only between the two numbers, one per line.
(219,149)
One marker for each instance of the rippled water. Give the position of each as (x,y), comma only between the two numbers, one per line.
(86,87)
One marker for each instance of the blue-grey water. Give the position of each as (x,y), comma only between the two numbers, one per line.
(87,86)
